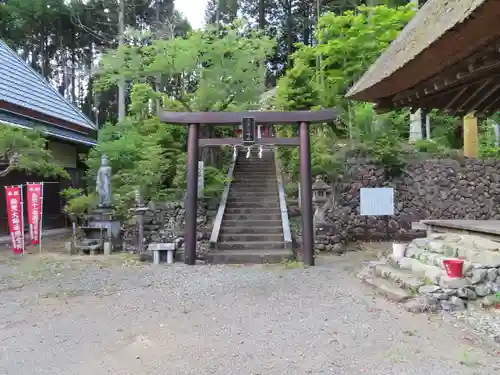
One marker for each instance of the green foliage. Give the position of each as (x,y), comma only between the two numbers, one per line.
(296,90)
(25,150)
(348,44)
(487,141)
(78,203)
(207,71)
(429,146)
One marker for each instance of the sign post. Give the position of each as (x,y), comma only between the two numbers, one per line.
(14,196)
(35,209)
(377,202)
(201,178)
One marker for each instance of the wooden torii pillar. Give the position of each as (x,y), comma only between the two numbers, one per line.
(194,119)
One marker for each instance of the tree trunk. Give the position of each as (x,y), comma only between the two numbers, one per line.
(262,15)
(289,28)
(121,42)
(73,67)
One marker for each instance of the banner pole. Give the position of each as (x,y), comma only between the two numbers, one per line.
(22,218)
(41,216)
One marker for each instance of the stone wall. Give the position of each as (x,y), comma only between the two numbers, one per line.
(429,189)
(164,222)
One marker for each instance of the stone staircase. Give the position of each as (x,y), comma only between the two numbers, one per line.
(419,279)
(251,229)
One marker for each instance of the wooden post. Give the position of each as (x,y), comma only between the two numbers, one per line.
(191,203)
(306,195)
(470,136)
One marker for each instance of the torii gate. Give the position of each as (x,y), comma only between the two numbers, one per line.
(249,121)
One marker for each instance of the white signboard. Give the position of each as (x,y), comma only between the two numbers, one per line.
(201,178)
(376,201)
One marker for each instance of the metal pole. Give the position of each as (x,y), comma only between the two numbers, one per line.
(191,203)
(22,217)
(41,217)
(306,194)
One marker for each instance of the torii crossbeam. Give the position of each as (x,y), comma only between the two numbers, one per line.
(248,120)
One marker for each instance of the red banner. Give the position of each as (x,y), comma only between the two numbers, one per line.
(34,204)
(15,217)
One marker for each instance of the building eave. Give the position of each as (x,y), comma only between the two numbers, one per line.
(49,131)
(440,35)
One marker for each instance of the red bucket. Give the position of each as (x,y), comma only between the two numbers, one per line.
(454,267)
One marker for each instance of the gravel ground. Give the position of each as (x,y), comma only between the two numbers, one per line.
(89,316)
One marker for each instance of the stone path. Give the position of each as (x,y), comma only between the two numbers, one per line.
(117,317)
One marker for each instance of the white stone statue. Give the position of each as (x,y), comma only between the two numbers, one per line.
(103,183)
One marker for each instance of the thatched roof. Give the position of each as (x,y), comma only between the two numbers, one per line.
(435,19)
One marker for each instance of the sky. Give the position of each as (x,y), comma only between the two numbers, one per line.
(194,10)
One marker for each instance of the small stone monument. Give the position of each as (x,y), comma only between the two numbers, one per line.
(102,216)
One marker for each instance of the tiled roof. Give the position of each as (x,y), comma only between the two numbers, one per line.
(51,131)
(432,21)
(22,86)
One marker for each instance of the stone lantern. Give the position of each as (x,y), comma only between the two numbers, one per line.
(320,198)
(139,210)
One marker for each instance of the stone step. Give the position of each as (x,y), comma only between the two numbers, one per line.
(244,237)
(251,223)
(271,205)
(257,184)
(474,249)
(400,286)
(399,277)
(250,189)
(258,177)
(248,211)
(267,199)
(436,260)
(233,245)
(245,229)
(387,289)
(430,273)
(248,256)
(255,172)
(254,194)
(267,182)
(250,217)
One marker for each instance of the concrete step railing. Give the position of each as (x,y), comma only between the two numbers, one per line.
(223,201)
(287,233)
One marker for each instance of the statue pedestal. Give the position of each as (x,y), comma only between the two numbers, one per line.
(102,217)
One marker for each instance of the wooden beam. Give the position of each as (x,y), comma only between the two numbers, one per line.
(451,80)
(267,141)
(491,106)
(471,97)
(235,118)
(455,98)
(482,99)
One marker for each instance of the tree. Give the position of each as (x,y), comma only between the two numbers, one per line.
(207,71)
(25,150)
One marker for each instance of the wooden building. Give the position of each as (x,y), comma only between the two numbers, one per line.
(447,58)
(27,100)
